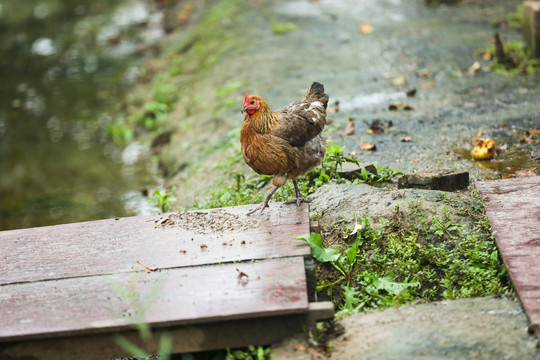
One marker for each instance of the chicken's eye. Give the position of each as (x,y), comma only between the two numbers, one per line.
(252,102)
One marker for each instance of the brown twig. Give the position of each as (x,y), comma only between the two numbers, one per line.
(146,267)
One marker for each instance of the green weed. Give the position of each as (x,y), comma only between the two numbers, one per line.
(384,173)
(139,305)
(247,189)
(155,113)
(388,265)
(518,61)
(251,353)
(513,20)
(162,199)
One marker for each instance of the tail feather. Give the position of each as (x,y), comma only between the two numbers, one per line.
(316,93)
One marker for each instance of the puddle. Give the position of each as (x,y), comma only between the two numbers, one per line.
(506,164)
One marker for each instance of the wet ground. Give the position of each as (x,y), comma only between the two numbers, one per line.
(426,50)
(412,48)
(64,67)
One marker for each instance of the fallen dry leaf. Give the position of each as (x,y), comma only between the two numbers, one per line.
(405,139)
(525,173)
(349,128)
(164,221)
(357,227)
(423,73)
(397,106)
(486,56)
(474,68)
(241,274)
(426,84)
(400,80)
(526,138)
(184,14)
(375,129)
(534,131)
(368,146)
(365,28)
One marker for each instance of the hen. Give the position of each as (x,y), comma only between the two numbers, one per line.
(286,143)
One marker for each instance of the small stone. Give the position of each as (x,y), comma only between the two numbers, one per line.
(348,170)
(435,179)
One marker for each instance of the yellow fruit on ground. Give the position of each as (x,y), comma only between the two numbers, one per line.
(484,149)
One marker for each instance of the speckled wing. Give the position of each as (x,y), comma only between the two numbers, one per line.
(301,121)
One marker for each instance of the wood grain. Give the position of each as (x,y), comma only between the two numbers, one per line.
(189,295)
(513,208)
(114,246)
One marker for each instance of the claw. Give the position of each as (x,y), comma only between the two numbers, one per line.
(264,204)
(299,200)
(261,207)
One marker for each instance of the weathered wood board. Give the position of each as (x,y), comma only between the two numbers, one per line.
(168,297)
(513,208)
(113,246)
(60,285)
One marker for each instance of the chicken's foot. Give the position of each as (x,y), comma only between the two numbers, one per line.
(264,203)
(300,198)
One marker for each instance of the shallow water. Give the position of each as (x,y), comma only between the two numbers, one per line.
(64,67)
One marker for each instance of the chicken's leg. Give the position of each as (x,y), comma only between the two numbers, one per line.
(300,198)
(264,204)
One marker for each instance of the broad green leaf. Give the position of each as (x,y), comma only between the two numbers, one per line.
(351,254)
(386,283)
(319,252)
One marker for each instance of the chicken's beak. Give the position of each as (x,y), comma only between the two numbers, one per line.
(243,109)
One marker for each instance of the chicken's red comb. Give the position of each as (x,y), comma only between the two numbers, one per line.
(245,100)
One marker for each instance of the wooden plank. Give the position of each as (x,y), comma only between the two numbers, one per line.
(513,208)
(170,297)
(190,338)
(115,246)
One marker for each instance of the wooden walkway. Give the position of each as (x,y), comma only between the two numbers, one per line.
(211,279)
(513,208)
